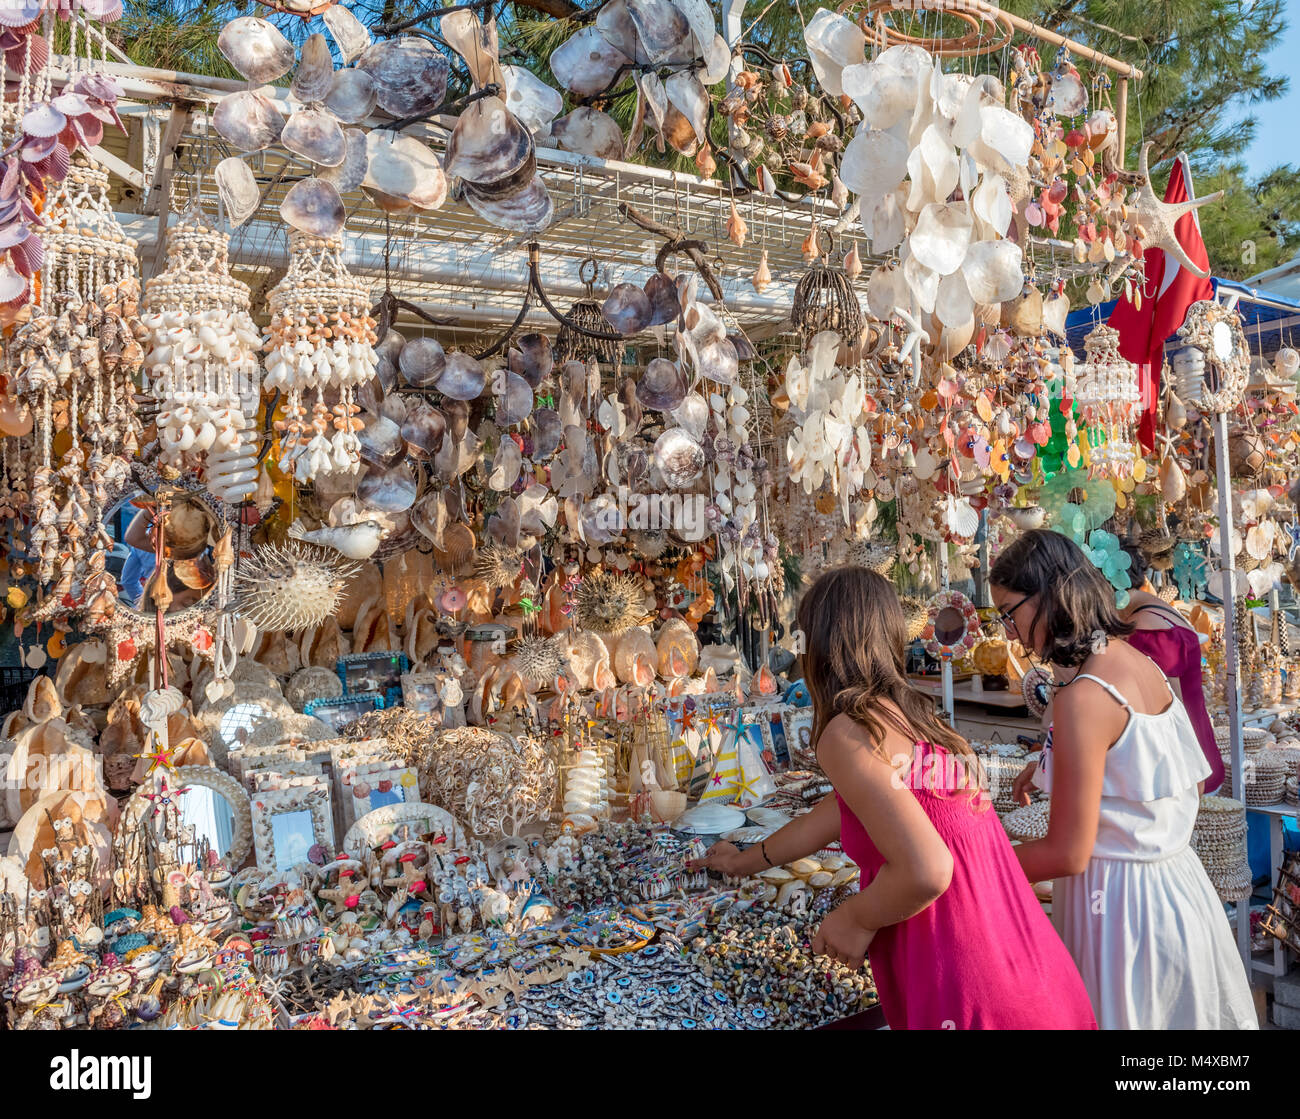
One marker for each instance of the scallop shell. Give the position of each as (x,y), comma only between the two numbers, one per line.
(314,206)
(531,100)
(589,132)
(586,62)
(349,33)
(256,49)
(537,359)
(315,74)
(388,491)
(423,429)
(515,403)
(530,210)
(422,362)
(627,309)
(547,432)
(488,143)
(410,75)
(238,189)
(249,120)
(462,378)
(351,96)
(662,386)
(665,304)
(351,172)
(402,167)
(993,271)
(664,31)
(316,136)
(678,457)
(506,464)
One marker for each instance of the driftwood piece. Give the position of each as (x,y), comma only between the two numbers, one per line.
(675,242)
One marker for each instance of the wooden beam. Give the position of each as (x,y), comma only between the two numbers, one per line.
(157,196)
(118,166)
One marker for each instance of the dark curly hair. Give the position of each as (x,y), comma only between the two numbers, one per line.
(1075,602)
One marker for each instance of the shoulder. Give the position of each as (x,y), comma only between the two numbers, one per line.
(845,742)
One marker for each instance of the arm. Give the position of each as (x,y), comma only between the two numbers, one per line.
(139,533)
(1088,721)
(802,836)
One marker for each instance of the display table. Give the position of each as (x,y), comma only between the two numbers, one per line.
(985,715)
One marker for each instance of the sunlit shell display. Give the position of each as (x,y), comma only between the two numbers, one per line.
(351,95)
(256,49)
(410,75)
(488,143)
(402,167)
(314,206)
(249,120)
(678,457)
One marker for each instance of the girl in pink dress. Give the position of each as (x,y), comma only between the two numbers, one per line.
(956,937)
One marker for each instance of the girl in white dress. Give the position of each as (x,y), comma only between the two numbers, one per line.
(1123,769)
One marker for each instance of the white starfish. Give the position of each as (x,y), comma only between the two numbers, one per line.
(917,335)
(1157,217)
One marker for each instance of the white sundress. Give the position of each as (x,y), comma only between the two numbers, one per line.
(1143,923)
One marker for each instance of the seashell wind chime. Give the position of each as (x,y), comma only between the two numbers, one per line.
(201,358)
(1109,398)
(79,356)
(322,339)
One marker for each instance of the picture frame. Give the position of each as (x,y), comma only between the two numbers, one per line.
(776,717)
(244,762)
(371,785)
(265,780)
(398,821)
(758,729)
(336,712)
(798,732)
(292,826)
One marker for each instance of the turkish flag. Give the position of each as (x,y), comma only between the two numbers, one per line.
(1167,294)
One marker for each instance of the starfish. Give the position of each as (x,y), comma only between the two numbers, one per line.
(916,337)
(1158,218)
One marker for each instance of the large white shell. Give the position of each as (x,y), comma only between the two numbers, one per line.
(238,189)
(314,206)
(256,49)
(403,167)
(884,96)
(984,91)
(834,42)
(942,236)
(939,159)
(531,100)
(1005,139)
(315,73)
(351,96)
(874,163)
(506,464)
(249,120)
(586,62)
(349,33)
(922,282)
(992,204)
(589,132)
(888,223)
(953,305)
(315,135)
(993,271)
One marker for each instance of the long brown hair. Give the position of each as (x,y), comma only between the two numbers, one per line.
(855,642)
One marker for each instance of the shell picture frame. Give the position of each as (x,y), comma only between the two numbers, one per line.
(283,822)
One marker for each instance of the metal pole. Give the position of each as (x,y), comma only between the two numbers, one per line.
(945,665)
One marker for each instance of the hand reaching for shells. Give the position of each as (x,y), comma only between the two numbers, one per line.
(1023,785)
(727,858)
(842,939)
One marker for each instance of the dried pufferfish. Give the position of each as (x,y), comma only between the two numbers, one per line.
(293,586)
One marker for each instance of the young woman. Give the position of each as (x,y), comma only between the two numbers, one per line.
(1122,766)
(956,937)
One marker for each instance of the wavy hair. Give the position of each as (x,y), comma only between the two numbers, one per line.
(1075,602)
(855,655)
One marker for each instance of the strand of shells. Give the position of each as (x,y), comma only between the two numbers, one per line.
(78,357)
(201,356)
(322,339)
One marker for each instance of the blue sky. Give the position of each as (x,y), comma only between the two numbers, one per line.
(1275,128)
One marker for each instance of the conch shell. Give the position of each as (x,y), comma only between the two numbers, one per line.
(762,274)
(737,228)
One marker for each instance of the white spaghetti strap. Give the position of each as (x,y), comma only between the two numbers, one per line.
(1110,688)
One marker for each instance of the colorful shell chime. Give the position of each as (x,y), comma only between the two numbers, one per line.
(202,360)
(79,355)
(1109,401)
(322,339)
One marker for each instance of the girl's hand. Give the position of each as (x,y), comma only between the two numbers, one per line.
(726,858)
(841,938)
(1023,784)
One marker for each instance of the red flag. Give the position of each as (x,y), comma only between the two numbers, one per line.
(1167,294)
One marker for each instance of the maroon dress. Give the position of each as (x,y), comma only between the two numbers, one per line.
(1177,653)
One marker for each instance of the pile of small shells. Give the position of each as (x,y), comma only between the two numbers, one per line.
(763,959)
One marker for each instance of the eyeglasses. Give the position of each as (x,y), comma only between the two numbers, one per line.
(1006,617)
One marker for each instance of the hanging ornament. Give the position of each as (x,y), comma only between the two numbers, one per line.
(1109,401)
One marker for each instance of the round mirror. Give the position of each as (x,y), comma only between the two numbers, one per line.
(1221,342)
(189,527)
(949,625)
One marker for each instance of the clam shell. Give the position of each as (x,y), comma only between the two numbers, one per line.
(678,457)
(256,49)
(315,74)
(874,163)
(390,345)
(394,407)
(691,99)
(834,42)
(665,306)
(547,431)
(718,361)
(515,403)
(402,167)
(422,362)
(662,386)
(388,491)
(314,206)
(249,120)
(429,517)
(506,464)
(614,22)
(529,211)
(349,33)
(423,429)
(589,132)
(462,378)
(536,357)
(1069,96)
(381,442)
(457,413)
(663,30)
(351,95)
(993,271)
(586,62)
(351,172)
(488,143)
(530,99)
(692,414)
(238,189)
(370,394)
(942,236)
(316,136)
(477,45)
(886,290)
(410,75)
(627,309)
(506,188)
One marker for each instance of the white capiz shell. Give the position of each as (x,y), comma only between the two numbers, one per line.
(1006,133)
(992,204)
(953,305)
(884,96)
(940,161)
(692,414)
(993,271)
(941,237)
(983,91)
(874,163)
(717,61)
(887,290)
(534,102)
(834,42)
(922,282)
(887,223)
